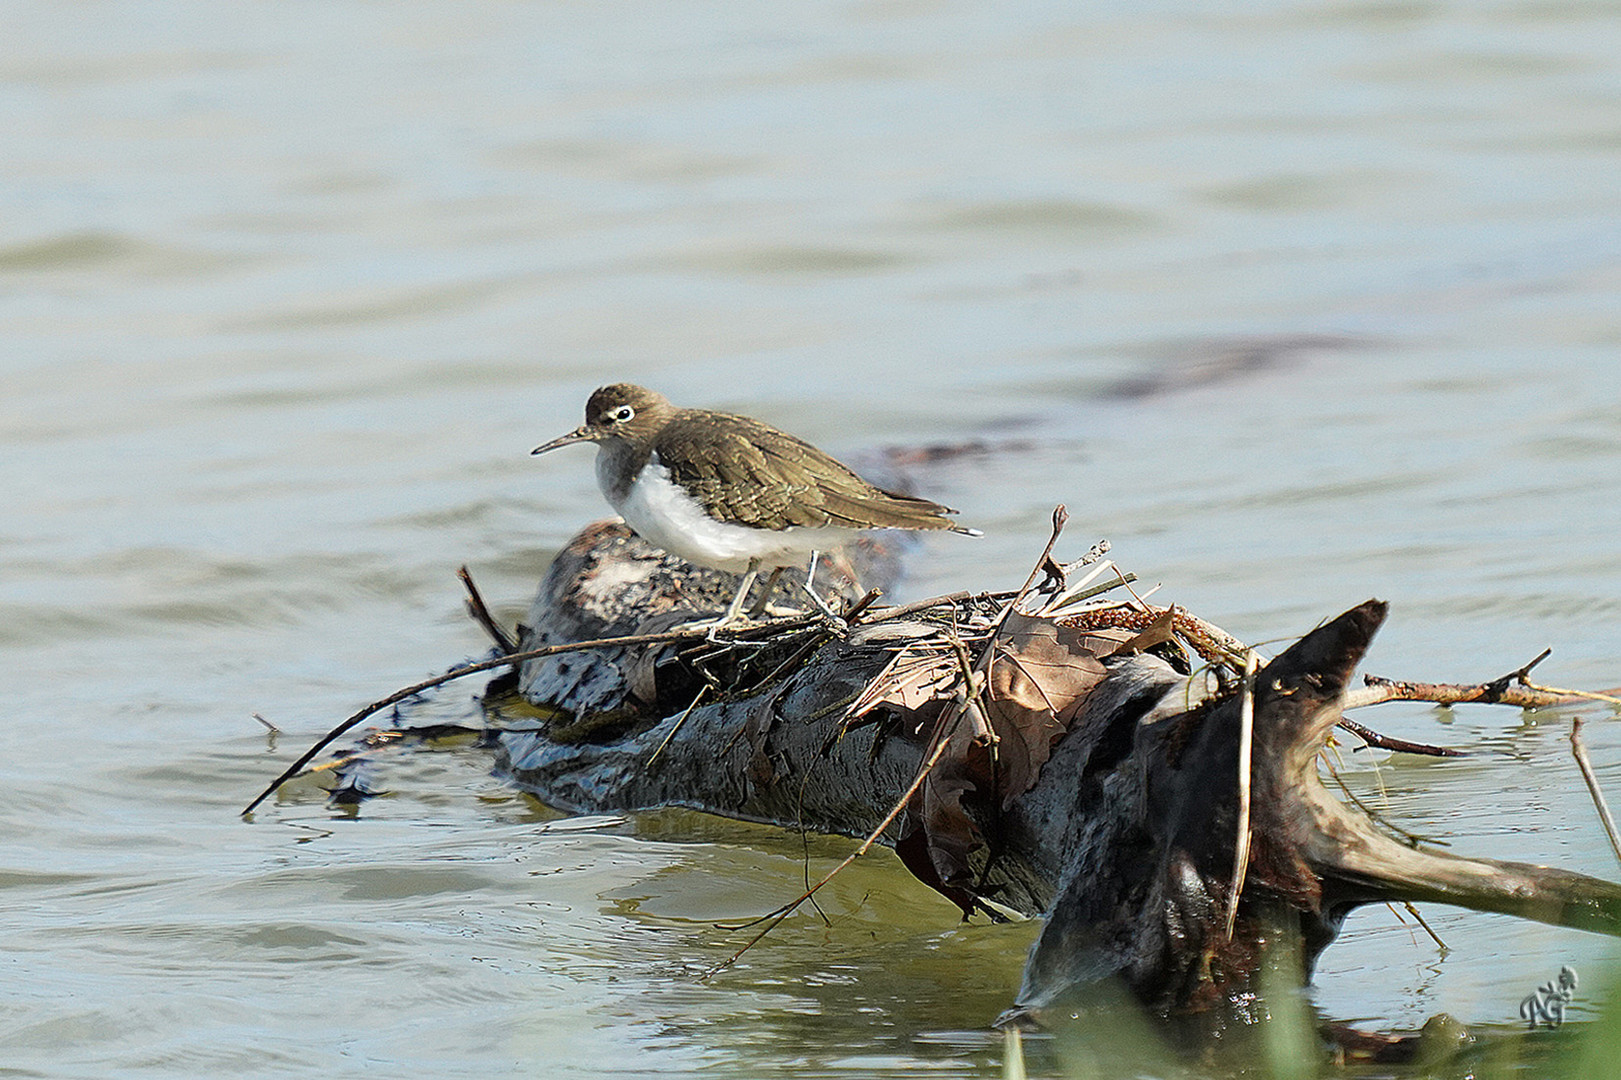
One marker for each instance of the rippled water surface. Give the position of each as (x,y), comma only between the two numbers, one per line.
(1296,304)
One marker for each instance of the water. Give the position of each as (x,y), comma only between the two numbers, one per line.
(290,291)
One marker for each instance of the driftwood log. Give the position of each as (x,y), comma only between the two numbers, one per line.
(1108,802)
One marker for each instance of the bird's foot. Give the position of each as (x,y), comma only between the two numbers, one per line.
(717,625)
(821,605)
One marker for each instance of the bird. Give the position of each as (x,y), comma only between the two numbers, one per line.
(731,492)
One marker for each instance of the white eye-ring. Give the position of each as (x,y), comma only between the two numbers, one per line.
(621,414)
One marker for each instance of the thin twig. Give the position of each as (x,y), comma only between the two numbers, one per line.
(1411,839)
(812,641)
(978,678)
(775,918)
(1122,581)
(699,696)
(1068,591)
(1060,516)
(1246,741)
(885,614)
(1402,746)
(1508,690)
(1056,609)
(973,683)
(1013,1053)
(1413,911)
(456,673)
(1522,674)
(1098,590)
(1580,751)
(863,604)
(481,614)
(1578,695)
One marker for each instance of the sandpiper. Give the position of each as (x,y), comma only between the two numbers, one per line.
(730,492)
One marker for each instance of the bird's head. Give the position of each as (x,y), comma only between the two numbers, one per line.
(620,411)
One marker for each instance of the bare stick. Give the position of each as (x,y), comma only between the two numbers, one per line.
(1411,839)
(863,605)
(1140,604)
(1013,1053)
(699,696)
(1413,911)
(775,918)
(884,614)
(1580,695)
(481,614)
(1580,751)
(1386,742)
(1099,590)
(470,669)
(1379,690)
(1060,516)
(1079,594)
(1246,742)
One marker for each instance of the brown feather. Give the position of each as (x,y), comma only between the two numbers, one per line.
(749,473)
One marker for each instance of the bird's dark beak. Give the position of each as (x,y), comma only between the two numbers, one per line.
(583,433)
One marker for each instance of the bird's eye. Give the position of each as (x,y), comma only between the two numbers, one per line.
(621,414)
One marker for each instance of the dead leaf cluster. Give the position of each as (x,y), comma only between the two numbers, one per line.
(994,722)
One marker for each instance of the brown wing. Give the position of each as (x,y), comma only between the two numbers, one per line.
(750,473)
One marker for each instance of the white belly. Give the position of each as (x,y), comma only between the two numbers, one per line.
(667,517)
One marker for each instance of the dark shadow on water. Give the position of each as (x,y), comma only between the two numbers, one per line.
(1214,361)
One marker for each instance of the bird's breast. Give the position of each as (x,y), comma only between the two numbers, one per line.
(665,515)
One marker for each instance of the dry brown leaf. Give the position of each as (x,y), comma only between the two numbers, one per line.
(1038,679)
(1158,632)
(1041,674)
(913,849)
(950,833)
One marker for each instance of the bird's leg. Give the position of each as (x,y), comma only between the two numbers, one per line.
(810,581)
(735,610)
(770,584)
